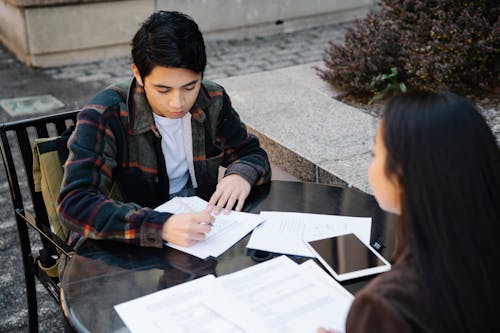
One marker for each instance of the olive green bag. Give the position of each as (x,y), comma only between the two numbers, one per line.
(49,155)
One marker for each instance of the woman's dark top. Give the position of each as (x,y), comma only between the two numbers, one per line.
(392,302)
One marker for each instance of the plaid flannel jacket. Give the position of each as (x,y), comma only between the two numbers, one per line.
(116,171)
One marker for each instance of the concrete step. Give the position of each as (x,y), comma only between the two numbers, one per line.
(280,174)
(307,133)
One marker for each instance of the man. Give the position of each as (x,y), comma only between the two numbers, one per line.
(167,131)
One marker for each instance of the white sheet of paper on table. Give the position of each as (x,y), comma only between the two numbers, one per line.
(174,310)
(227,230)
(284,296)
(275,296)
(285,232)
(310,267)
(195,204)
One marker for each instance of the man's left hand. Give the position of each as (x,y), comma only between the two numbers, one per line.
(230,189)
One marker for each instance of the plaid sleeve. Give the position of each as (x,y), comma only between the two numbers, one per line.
(242,152)
(84,204)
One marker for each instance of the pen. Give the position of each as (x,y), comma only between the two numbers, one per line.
(208,223)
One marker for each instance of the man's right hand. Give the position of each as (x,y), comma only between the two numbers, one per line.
(186,229)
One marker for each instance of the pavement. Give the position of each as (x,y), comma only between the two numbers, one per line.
(74,85)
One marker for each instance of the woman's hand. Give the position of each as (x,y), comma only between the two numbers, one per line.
(324,330)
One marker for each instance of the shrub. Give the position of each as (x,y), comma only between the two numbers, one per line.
(433,45)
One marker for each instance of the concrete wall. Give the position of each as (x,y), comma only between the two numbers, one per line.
(12,29)
(230,18)
(46,33)
(55,35)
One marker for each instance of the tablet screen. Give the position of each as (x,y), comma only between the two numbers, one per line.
(346,253)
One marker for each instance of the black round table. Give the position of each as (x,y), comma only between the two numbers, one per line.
(102,274)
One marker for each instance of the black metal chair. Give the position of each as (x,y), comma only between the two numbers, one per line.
(17,142)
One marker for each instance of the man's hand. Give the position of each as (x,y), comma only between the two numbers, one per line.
(186,229)
(230,189)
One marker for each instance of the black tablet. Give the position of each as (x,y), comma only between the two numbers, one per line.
(347,257)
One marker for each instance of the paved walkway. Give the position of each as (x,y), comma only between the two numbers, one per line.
(226,58)
(75,84)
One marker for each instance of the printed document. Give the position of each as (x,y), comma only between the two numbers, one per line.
(283,295)
(275,296)
(226,229)
(284,232)
(177,309)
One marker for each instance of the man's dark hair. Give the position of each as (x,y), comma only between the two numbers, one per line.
(169,39)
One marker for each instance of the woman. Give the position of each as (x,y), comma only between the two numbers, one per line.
(437,165)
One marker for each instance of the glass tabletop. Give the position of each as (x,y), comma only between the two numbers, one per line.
(104,273)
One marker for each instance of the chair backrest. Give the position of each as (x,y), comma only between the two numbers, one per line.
(17,140)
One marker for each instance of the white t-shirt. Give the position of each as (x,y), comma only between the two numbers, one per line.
(172,146)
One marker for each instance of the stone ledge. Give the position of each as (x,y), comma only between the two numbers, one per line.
(305,131)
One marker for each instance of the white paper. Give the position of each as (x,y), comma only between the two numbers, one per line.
(284,232)
(177,309)
(195,204)
(275,296)
(222,301)
(284,296)
(311,268)
(227,230)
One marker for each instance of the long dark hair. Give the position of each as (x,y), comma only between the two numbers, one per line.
(448,163)
(169,39)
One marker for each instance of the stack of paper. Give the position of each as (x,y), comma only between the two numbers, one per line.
(275,296)
(284,232)
(227,229)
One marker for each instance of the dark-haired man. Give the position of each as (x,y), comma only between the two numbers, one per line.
(141,142)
